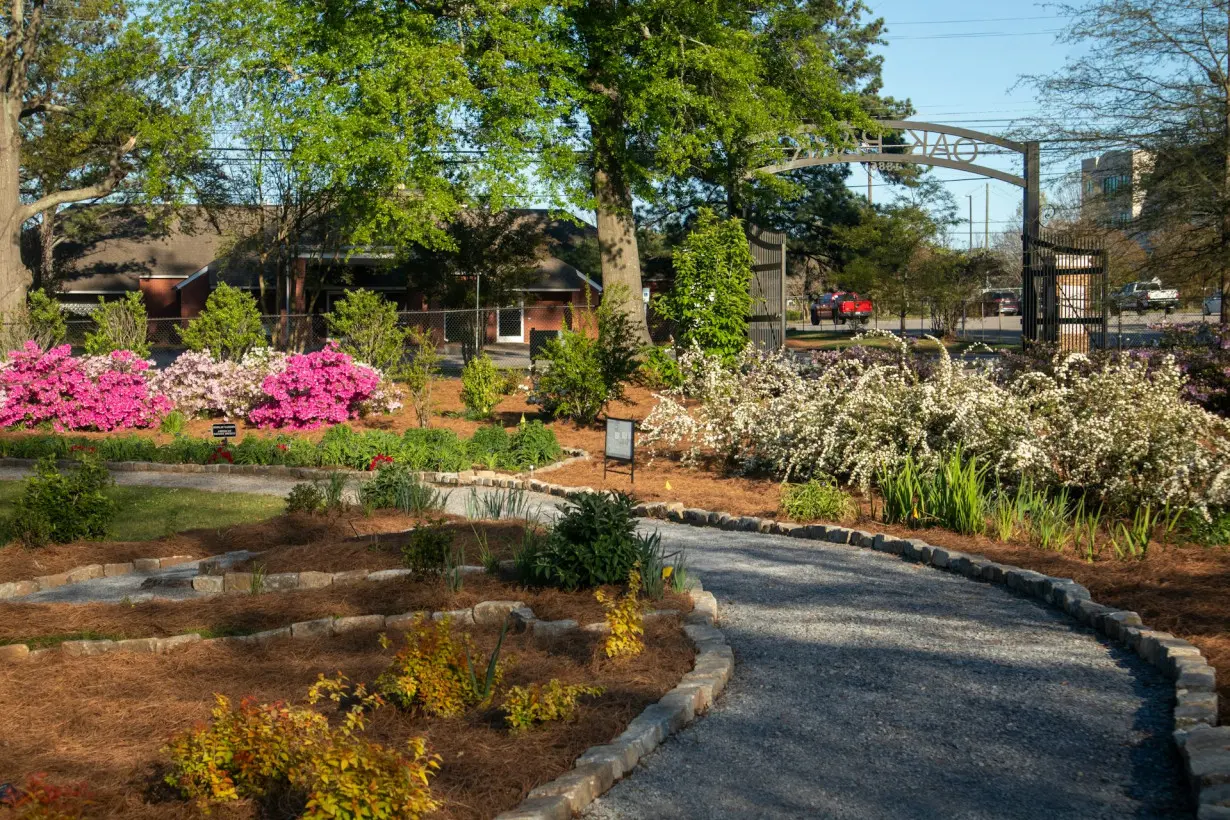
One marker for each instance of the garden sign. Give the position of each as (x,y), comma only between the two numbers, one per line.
(620,444)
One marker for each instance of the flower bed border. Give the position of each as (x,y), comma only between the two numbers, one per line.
(1203,745)
(88,572)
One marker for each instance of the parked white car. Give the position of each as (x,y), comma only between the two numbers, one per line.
(1212,304)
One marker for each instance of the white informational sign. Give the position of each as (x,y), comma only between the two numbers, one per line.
(645,295)
(619,435)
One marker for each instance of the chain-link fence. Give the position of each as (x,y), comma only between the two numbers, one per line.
(512,336)
(978,321)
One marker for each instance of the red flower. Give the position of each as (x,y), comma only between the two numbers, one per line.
(221,453)
(379,461)
(282,447)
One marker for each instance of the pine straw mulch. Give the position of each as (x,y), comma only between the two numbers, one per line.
(18,563)
(382,549)
(103,720)
(243,613)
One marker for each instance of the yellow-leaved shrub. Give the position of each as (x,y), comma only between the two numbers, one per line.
(623,616)
(433,674)
(525,706)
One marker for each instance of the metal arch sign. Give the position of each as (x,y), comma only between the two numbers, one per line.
(926,144)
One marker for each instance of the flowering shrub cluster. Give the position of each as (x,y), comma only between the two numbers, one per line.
(90,393)
(325,387)
(198,385)
(1122,430)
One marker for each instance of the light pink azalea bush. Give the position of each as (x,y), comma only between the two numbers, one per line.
(92,393)
(325,387)
(200,386)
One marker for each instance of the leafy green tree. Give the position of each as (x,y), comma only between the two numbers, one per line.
(40,320)
(365,325)
(119,325)
(228,327)
(710,302)
(88,101)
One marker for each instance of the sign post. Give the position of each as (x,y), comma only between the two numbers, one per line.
(620,445)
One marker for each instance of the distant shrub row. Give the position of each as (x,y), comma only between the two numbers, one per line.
(531,445)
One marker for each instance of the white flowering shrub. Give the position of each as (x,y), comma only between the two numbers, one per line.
(1120,432)
(200,386)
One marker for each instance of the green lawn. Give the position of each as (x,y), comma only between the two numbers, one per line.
(152,512)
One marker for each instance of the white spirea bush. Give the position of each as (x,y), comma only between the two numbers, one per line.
(1121,432)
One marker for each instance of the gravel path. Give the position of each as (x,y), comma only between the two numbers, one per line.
(869,687)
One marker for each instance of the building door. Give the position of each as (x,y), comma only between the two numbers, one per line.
(510,325)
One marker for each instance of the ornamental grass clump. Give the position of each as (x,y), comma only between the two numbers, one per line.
(290,756)
(817,500)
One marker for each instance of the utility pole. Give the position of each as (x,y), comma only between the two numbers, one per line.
(868,167)
(970,197)
(986,221)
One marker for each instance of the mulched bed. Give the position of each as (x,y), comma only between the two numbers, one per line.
(18,563)
(243,613)
(104,720)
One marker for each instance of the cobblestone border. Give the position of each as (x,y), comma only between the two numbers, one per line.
(600,767)
(88,572)
(208,583)
(1204,746)
(312,473)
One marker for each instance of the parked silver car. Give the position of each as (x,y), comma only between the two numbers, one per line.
(1212,305)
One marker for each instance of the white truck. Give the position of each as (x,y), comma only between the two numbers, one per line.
(1145,296)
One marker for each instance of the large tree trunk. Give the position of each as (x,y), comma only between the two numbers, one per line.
(14,275)
(1225,193)
(621,262)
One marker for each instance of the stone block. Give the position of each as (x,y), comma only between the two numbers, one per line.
(318,628)
(704,607)
(16,589)
(389,574)
(678,708)
(553,629)
(861,538)
(52,581)
(84,649)
(208,584)
(175,643)
(816,532)
(939,557)
(837,535)
(1193,708)
(696,516)
(579,787)
(174,561)
(715,666)
(112,570)
(1150,647)
(705,686)
(598,628)
(555,807)
(1196,676)
(1207,754)
(495,612)
(146,565)
(142,646)
(1216,796)
(237,582)
(788,529)
(86,573)
(315,580)
(1207,812)
(619,758)
(350,576)
(643,734)
(269,635)
(13,652)
(358,623)
(457,616)
(280,582)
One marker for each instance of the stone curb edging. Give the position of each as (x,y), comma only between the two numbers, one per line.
(88,572)
(242,582)
(600,767)
(1204,746)
(477,477)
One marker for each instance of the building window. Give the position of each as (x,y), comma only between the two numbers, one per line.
(1119,182)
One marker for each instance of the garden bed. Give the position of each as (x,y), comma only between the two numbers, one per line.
(103,720)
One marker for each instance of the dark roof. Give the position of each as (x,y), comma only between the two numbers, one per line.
(127,245)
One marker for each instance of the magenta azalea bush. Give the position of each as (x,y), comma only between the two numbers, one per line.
(325,387)
(91,393)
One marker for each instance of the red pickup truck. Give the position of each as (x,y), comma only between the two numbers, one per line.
(841,307)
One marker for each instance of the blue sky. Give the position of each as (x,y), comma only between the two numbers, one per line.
(957,61)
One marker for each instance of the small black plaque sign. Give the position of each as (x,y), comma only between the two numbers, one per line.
(225,431)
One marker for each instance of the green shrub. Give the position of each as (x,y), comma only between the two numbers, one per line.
(489,446)
(420,374)
(364,323)
(510,379)
(428,548)
(526,707)
(659,369)
(305,498)
(533,445)
(395,487)
(45,323)
(481,386)
(172,423)
(434,449)
(1211,532)
(119,325)
(61,508)
(594,542)
(709,302)
(228,327)
(433,674)
(817,500)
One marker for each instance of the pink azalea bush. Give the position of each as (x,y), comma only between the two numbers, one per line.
(200,386)
(92,393)
(325,387)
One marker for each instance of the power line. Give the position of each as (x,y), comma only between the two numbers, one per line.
(975,20)
(974,35)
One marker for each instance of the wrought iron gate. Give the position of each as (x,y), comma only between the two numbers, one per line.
(1064,293)
(767,323)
